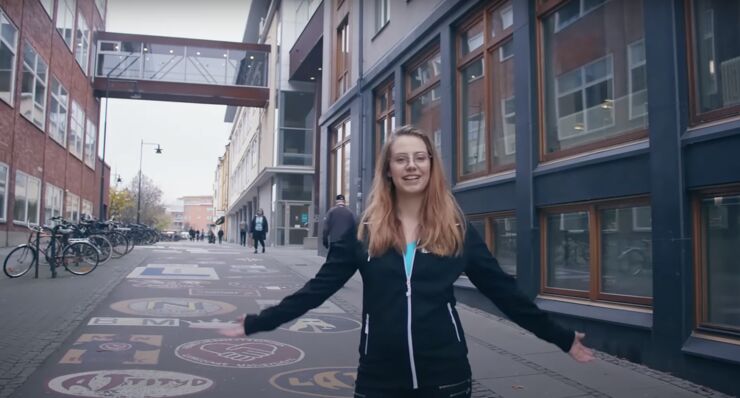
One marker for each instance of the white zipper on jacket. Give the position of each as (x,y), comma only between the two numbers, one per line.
(454,323)
(414,381)
(367,330)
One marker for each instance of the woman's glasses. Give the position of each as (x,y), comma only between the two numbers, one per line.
(404,159)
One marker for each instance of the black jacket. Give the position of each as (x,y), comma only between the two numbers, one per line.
(436,337)
(258,234)
(339,220)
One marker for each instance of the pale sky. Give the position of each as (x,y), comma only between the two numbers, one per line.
(192,136)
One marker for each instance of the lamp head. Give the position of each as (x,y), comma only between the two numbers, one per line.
(158,149)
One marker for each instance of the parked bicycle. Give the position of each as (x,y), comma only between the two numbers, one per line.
(77,256)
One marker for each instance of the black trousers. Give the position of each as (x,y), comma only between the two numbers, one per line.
(243,239)
(259,240)
(463,389)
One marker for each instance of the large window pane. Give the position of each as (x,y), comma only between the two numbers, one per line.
(503,108)
(66,20)
(8,50)
(568,254)
(296,187)
(626,251)
(473,119)
(298,110)
(82,47)
(3,189)
(33,87)
(426,72)
(716,54)
(594,73)
(721,230)
(58,112)
(425,114)
(19,205)
(504,236)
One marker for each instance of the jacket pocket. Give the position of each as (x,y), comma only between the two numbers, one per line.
(367,331)
(454,322)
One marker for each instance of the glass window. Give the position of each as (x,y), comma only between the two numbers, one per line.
(499,233)
(486,73)
(91,136)
(66,20)
(33,87)
(385,119)
(87,209)
(58,112)
(296,187)
(343,60)
(339,160)
(593,64)
(100,5)
(82,47)
(48,7)
(716,58)
(296,143)
(618,256)
(27,198)
(423,105)
(3,191)
(76,130)
(8,50)
(72,208)
(382,13)
(53,203)
(718,270)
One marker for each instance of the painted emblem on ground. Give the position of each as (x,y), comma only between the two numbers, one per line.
(252,269)
(214,323)
(321,323)
(172,307)
(239,353)
(133,349)
(167,284)
(129,383)
(271,286)
(223,292)
(327,307)
(112,321)
(328,382)
(173,272)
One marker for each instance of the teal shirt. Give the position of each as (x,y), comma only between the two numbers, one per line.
(408,258)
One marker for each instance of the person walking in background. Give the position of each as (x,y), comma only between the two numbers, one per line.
(259,229)
(191,233)
(243,233)
(339,219)
(220,235)
(412,243)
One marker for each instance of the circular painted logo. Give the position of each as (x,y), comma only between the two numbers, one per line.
(320,323)
(172,307)
(113,346)
(239,353)
(167,284)
(130,383)
(329,382)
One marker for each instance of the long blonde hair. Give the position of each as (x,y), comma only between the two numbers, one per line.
(442,225)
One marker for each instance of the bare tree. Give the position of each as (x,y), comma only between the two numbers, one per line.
(152,209)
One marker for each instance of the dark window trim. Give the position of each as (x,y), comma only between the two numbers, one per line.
(382,115)
(424,56)
(594,294)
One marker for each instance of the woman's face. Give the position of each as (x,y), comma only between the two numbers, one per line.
(410,165)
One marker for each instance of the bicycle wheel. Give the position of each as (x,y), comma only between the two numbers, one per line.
(80,258)
(119,243)
(19,261)
(104,246)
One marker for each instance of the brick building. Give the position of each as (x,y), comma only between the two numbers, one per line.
(49,163)
(198,212)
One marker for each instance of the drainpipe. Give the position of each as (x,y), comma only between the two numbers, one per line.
(360,85)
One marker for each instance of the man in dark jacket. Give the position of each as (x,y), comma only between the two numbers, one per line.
(339,219)
(220,235)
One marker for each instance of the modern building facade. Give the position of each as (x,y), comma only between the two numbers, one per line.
(221,191)
(50,164)
(177,216)
(271,149)
(592,143)
(198,212)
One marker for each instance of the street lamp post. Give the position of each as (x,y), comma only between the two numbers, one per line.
(141,157)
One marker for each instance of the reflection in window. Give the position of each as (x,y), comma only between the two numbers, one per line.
(568,255)
(473,120)
(58,113)
(594,74)
(296,143)
(504,236)
(716,54)
(719,271)
(626,251)
(423,103)
(33,87)
(8,50)
(66,20)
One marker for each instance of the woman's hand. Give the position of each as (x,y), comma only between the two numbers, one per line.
(234,331)
(580,352)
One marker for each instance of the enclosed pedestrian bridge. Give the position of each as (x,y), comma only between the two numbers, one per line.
(181,70)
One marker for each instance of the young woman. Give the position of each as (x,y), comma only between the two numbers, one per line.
(412,245)
(259,229)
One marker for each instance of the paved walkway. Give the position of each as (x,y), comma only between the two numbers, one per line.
(42,317)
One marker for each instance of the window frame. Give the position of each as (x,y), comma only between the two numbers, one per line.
(82,36)
(382,15)
(33,70)
(334,146)
(84,205)
(489,236)
(490,48)
(62,6)
(14,49)
(342,58)
(52,189)
(55,97)
(696,117)
(4,190)
(79,138)
(595,293)
(412,95)
(631,67)
(385,117)
(102,10)
(50,9)
(90,144)
(699,264)
(28,178)
(74,216)
(544,9)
